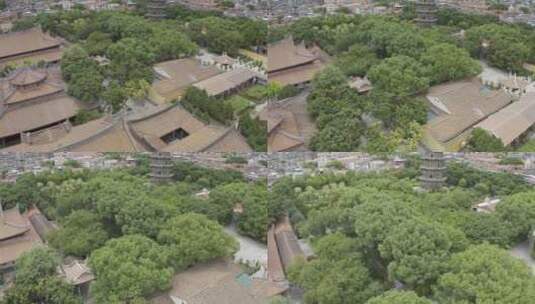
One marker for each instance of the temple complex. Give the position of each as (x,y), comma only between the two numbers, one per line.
(291,64)
(30,45)
(31,100)
(433,169)
(166,128)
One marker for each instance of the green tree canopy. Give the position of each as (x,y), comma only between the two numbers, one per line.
(81,233)
(482,141)
(417,252)
(485,274)
(399,297)
(399,75)
(129,268)
(447,62)
(36,280)
(518,210)
(337,276)
(192,238)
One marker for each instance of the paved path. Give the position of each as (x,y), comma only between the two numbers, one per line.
(250,250)
(521,251)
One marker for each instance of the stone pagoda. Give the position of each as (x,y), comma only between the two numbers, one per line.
(161,167)
(156,9)
(433,169)
(426,11)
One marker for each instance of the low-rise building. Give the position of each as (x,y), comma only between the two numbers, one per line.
(20,233)
(294,64)
(32,45)
(512,121)
(31,100)
(455,108)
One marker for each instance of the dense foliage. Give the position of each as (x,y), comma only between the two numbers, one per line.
(36,280)
(134,233)
(402,61)
(132,44)
(482,141)
(375,231)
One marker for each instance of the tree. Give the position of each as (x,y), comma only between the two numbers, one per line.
(482,141)
(337,276)
(136,89)
(338,132)
(417,252)
(503,45)
(399,75)
(518,210)
(398,297)
(129,268)
(224,198)
(36,280)
(82,74)
(254,220)
(50,290)
(81,233)
(115,96)
(36,264)
(357,60)
(485,274)
(97,43)
(491,228)
(447,62)
(192,238)
(206,107)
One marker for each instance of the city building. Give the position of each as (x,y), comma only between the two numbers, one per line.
(31,45)
(33,99)
(294,64)
(433,169)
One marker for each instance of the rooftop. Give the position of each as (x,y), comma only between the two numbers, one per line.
(220,282)
(511,121)
(31,40)
(176,75)
(460,105)
(285,54)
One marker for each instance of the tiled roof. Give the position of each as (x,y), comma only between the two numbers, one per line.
(513,120)
(285,54)
(461,105)
(30,40)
